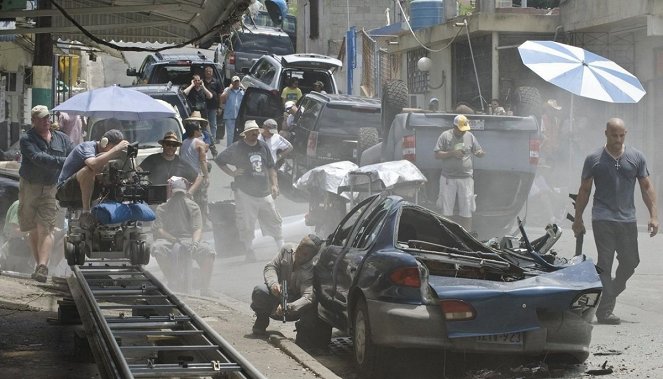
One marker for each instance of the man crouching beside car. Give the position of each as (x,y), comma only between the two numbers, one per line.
(287,293)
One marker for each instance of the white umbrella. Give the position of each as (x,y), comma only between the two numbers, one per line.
(115,102)
(581,72)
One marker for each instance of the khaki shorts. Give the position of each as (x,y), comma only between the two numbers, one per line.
(36,205)
(456,191)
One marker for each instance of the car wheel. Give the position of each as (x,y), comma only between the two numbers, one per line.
(368,137)
(368,357)
(527,102)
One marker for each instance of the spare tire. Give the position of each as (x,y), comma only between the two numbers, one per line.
(527,102)
(368,137)
(394,99)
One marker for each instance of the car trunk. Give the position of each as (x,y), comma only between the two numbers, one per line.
(477,279)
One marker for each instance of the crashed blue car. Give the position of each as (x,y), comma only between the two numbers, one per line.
(397,275)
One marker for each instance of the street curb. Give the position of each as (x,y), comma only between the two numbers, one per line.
(287,345)
(301,356)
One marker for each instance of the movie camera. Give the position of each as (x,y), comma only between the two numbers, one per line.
(122,194)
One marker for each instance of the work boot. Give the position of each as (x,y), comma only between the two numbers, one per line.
(609,319)
(260,326)
(40,274)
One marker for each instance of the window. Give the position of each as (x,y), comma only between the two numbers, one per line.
(372,225)
(344,230)
(348,120)
(10,81)
(417,81)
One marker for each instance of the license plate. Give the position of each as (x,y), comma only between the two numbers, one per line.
(502,339)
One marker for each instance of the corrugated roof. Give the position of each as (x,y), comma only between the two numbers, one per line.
(169,21)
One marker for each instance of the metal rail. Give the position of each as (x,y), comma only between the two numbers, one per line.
(137,328)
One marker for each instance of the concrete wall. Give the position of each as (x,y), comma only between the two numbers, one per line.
(333,24)
(587,14)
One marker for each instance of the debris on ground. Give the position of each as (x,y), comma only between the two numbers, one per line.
(604,370)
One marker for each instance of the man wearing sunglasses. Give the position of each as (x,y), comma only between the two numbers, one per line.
(162,166)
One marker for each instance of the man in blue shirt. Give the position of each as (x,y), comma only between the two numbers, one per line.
(76,181)
(43,152)
(232,98)
(614,168)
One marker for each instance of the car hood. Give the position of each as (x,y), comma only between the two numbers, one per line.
(517,302)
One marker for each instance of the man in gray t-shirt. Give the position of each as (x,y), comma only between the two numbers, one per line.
(615,168)
(455,147)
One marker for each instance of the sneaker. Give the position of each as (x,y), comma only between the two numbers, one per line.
(40,274)
(609,319)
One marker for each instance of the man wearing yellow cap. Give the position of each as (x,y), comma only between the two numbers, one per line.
(455,147)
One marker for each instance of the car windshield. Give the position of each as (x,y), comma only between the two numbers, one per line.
(289,23)
(267,44)
(146,132)
(180,74)
(348,120)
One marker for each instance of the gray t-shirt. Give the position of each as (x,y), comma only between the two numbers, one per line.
(255,160)
(76,159)
(457,167)
(615,183)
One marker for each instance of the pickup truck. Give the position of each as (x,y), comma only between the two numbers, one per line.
(502,179)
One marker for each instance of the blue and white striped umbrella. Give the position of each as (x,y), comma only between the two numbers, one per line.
(581,72)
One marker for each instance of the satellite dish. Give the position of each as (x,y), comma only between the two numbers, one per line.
(277,10)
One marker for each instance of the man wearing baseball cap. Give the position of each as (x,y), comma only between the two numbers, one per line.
(43,153)
(255,187)
(278,145)
(455,147)
(232,98)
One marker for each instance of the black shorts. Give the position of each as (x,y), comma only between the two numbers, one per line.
(69,193)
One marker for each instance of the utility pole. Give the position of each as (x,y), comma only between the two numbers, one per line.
(42,63)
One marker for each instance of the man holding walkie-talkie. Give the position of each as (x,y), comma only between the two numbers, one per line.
(287,294)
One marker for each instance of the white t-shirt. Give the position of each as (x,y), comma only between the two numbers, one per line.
(275,143)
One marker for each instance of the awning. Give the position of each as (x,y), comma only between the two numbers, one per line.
(169,21)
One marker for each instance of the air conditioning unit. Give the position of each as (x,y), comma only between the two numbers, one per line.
(417,101)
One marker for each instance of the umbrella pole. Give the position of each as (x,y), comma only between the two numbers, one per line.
(571,145)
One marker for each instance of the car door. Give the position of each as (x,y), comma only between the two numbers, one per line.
(305,135)
(334,248)
(260,75)
(349,263)
(258,104)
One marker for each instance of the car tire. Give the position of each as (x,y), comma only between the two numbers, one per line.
(368,137)
(527,102)
(369,358)
(394,99)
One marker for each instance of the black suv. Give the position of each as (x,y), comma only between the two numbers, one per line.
(174,68)
(169,93)
(331,127)
(328,127)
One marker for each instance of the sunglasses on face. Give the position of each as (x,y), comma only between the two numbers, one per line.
(170,144)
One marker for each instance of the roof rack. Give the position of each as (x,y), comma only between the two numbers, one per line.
(201,56)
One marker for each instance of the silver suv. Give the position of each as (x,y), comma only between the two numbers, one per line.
(273,72)
(242,48)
